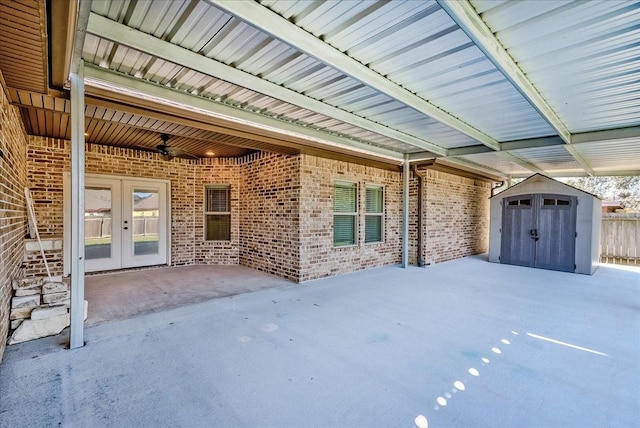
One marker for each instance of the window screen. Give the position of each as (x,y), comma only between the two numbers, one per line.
(374,216)
(217,213)
(345,202)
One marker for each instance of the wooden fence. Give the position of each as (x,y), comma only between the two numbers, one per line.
(620,238)
(100,227)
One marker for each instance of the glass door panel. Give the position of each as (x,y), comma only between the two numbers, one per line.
(146,212)
(101,215)
(144,223)
(97,223)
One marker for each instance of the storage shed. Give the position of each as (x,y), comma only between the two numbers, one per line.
(547,224)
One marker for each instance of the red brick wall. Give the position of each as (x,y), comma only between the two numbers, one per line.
(217,171)
(319,258)
(269,225)
(455,216)
(282,209)
(13,143)
(48,159)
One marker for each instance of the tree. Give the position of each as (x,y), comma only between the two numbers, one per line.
(623,189)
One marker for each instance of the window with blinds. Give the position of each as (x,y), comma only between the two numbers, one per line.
(374,215)
(217,214)
(345,214)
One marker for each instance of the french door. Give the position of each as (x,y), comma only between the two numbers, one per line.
(125,222)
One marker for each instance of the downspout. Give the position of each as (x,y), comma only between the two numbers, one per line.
(405,211)
(494,187)
(420,188)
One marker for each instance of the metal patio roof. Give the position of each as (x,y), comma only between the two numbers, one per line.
(509,88)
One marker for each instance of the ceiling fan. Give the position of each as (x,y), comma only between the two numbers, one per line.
(169,152)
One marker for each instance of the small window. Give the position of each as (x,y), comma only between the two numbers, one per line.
(561,202)
(513,203)
(374,216)
(345,212)
(217,215)
(525,201)
(549,202)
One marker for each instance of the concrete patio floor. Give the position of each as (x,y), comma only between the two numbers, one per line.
(122,295)
(460,344)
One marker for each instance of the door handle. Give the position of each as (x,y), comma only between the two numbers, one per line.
(534,234)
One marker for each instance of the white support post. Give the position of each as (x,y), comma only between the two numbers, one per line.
(405,211)
(77,209)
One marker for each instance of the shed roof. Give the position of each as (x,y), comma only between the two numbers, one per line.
(509,88)
(539,177)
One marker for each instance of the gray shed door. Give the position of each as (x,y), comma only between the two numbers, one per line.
(518,247)
(539,230)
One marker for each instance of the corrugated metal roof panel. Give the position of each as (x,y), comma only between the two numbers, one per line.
(552,159)
(495,161)
(120,58)
(582,56)
(422,49)
(617,155)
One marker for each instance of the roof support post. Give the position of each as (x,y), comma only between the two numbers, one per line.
(76,335)
(405,211)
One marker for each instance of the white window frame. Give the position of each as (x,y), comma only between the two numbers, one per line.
(354,214)
(217,186)
(375,214)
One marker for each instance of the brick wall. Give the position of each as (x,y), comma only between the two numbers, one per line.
(269,226)
(282,209)
(13,143)
(217,171)
(319,257)
(455,216)
(49,159)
